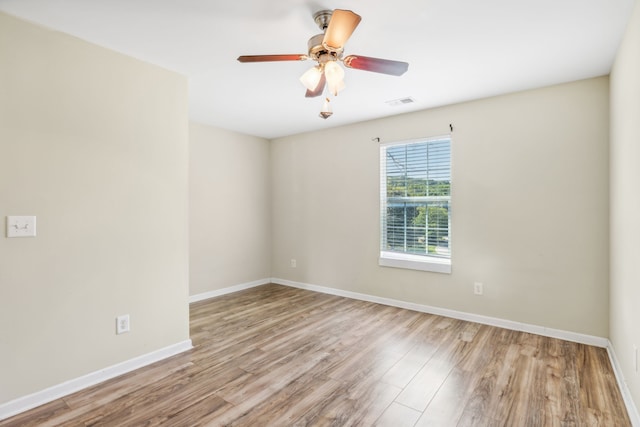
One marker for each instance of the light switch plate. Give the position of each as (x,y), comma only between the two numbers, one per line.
(21,226)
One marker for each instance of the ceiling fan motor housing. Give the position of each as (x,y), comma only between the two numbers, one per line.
(318,52)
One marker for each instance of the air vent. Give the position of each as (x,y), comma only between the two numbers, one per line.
(401,101)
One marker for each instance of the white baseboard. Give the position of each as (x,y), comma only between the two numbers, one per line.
(228,290)
(30,401)
(632,410)
(477,318)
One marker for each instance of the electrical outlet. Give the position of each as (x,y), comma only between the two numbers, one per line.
(477,288)
(122,324)
(294,263)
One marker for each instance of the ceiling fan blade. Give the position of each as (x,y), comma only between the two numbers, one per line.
(377,65)
(319,88)
(341,26)
(268,58)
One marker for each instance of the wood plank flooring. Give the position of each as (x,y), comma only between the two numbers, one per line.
(279,356)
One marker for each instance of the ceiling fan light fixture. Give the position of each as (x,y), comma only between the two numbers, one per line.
(311,77)
(335,75)
(326,49)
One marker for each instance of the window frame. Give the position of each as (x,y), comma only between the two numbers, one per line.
(408,260)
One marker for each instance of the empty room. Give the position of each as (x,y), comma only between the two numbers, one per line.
(315,213)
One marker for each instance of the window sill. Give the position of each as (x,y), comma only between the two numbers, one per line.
(414,262)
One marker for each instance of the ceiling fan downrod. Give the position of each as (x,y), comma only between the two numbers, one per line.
(322,18)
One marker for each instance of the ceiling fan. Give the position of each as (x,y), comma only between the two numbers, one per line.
(327,49)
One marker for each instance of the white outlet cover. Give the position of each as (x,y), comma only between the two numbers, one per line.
(21,226)
(477,288)
(122,324)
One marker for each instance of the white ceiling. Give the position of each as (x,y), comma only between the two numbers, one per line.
(458,50)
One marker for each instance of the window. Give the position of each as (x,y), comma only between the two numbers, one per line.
(415,198)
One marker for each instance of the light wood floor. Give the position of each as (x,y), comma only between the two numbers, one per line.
(279,356)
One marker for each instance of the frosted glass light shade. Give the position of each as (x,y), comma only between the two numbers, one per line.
(334,89)
(311,78)
(335,75)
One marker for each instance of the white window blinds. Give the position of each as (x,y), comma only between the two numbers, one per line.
(415,195)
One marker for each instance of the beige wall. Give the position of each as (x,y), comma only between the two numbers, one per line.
(529,206)
(229,211)
(625,203)
(96,145)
